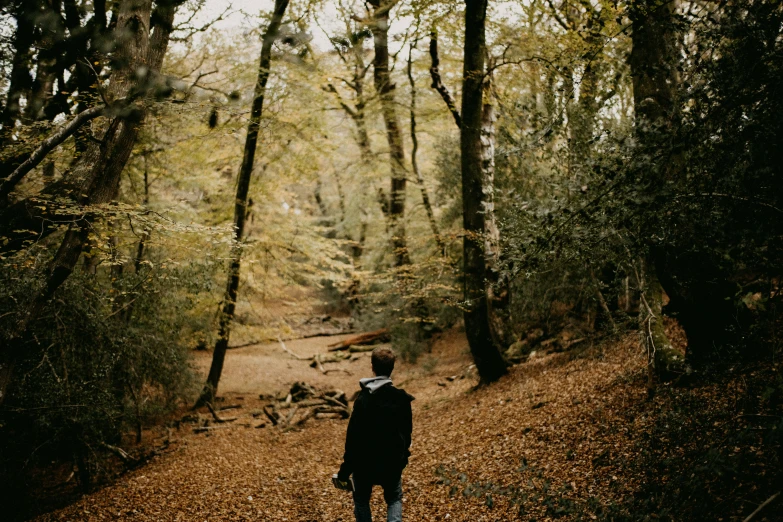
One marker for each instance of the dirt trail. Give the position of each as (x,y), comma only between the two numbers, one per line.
(266,368)
(477,454)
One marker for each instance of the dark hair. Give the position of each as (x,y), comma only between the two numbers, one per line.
(383,361)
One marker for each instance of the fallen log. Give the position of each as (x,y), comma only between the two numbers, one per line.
(245,345)
(333,333)
(307,403)
(328,416)
(300,391)
(322,333)
(317,363)
(291,414)
(381,335)
(320,359)
(121,453)
(343,412)
(326,372)
(304,418)
(339,400)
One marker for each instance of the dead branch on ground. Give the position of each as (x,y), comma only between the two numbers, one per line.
(365,338)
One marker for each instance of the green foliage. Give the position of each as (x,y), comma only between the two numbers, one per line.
(107,357)
(701,198)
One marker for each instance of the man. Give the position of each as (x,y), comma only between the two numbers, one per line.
(378,440)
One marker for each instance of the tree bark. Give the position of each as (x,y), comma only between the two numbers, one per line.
(47,146)
(653,61)
(483,346)
(497,284)
(240,207)
(385,89)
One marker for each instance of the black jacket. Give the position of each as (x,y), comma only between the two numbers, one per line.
(379,434)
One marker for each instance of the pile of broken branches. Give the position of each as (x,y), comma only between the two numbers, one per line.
(303,403)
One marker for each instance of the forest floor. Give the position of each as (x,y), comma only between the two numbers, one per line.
(555,437)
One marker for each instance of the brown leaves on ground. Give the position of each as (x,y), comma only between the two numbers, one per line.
(551,435)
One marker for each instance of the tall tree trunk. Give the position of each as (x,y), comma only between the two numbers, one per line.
(385,89)
(104,161)
(425,197)
(240,208)
(484,348)
(654,60)
(356,111)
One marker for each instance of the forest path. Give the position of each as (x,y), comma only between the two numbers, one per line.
(477,454)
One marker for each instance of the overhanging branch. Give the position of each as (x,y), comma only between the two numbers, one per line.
(47,146)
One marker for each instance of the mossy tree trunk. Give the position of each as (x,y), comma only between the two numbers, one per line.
(654,69)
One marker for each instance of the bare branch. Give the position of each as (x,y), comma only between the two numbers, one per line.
(195,30)
(762,506)
(557,17)
(351,112)
(437,83)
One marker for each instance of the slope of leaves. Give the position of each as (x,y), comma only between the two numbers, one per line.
(564,435)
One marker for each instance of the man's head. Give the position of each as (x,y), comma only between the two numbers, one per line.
(383,361)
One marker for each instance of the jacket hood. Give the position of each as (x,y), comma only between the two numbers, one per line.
(373,384)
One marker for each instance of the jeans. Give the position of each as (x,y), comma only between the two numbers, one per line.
(392,494)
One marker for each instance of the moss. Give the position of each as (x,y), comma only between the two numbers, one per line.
(666,362)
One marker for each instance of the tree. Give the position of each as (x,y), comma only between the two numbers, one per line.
(379,25)
(350,49)
(475,121)
(497,284)
(241,205)
(654,70)
(142,37)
